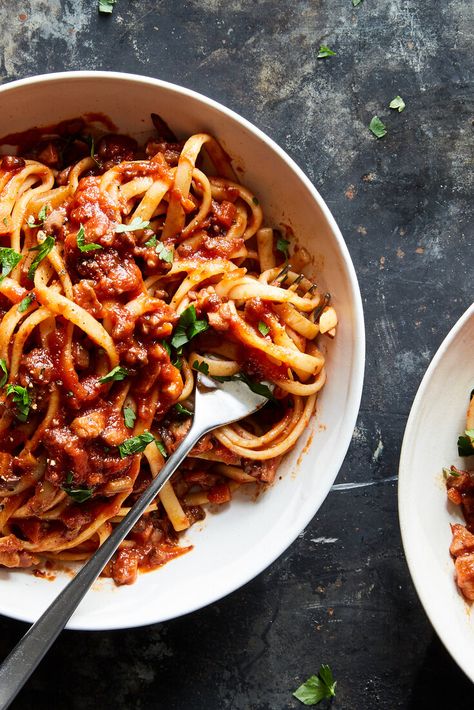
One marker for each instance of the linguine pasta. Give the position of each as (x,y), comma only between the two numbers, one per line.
(125,271)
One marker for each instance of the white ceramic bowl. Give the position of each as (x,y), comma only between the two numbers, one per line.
(436,419)
(238,542)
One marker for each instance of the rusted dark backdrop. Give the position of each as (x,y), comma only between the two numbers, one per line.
(341,594)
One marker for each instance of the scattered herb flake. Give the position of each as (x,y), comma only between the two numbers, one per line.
(81,243)
(255,200)
(129,417)
(26,302)
(5,221)
(397,103)
(151,242)
(21,399)
(263,327)
(317,687)
(377,127)
(201,367)
(356,2)
(134,225)
(116,375)
(325,52)
(3,368)
(43,250)
(106,6)
(182,410)
(136,444)
(188,327)
(9,258)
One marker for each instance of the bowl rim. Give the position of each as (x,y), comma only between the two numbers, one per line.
(418,579)
(353,401)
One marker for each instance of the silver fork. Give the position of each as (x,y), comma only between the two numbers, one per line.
(215,404)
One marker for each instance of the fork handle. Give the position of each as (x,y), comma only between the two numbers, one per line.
(29,651)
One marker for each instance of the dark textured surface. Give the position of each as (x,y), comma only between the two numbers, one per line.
(404,205)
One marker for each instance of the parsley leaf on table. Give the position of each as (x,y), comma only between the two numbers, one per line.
(317,687)
(397,103)
(325,52)
(377,127)
(106,6)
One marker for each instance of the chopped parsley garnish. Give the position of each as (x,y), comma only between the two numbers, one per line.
(377,127)
(134,225)
(78,493)
(257,387)
(21,399)
(182,410)
(255,201)
(26,302)
(166,346)
(106,6)
(115,375)
(9,258)
(201,367)
(81,243)
(356,2)
(397,103)
(164,253)
(5,221)
(317,687)
(325,52)
(129,417)
(42,214)
(136,444)
(263,328)
(3,368)
(466,443)
(282,246)
(161,448)
(188,327)
(452,471)
(43,250)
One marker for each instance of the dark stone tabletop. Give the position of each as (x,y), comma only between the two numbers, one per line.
(342,593)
